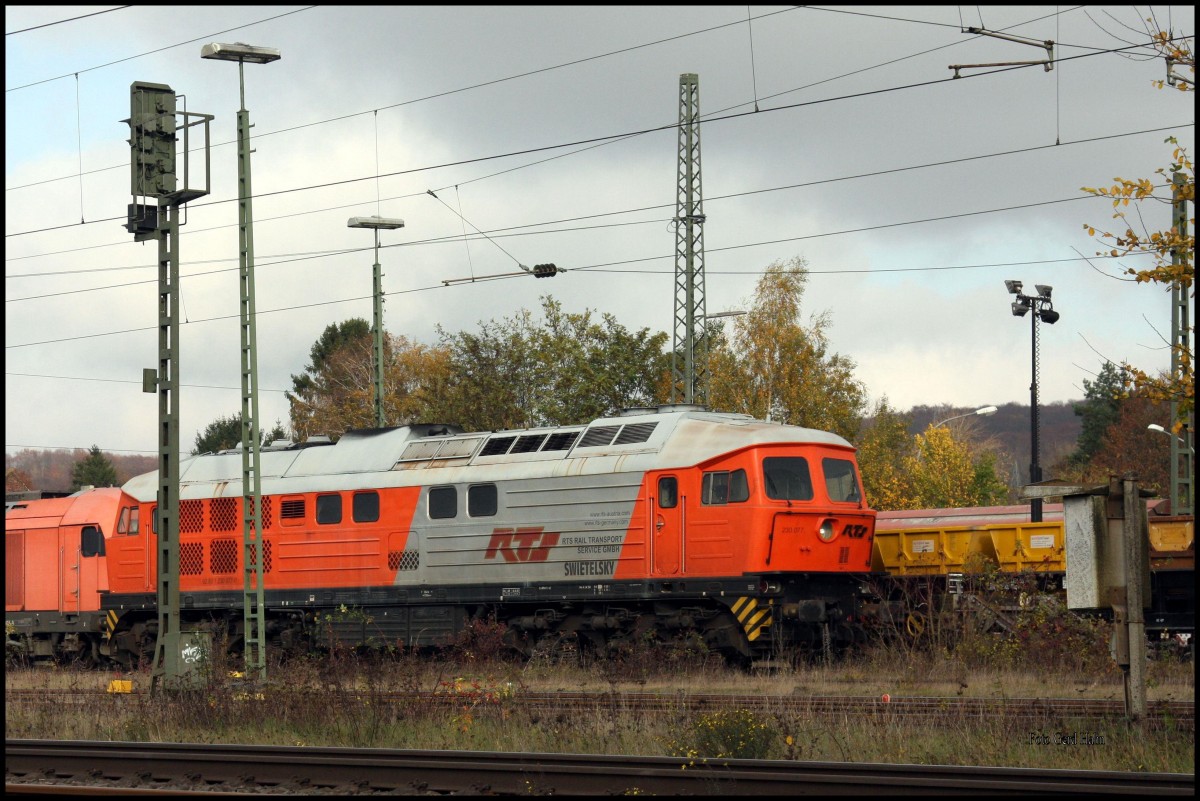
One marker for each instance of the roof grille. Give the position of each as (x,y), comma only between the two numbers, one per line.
(561,441)
(635,432)
(528,443)
(600,435)
(496,446)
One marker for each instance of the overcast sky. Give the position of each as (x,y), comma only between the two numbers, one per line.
(835,134)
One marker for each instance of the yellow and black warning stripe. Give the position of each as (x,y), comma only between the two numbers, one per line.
(109,625)
(753,617)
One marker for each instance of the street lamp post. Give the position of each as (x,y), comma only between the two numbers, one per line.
(376,223)
(1043,309)
(1182,500)
(254,616)
(984,412)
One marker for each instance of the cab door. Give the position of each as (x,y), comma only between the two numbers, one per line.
(667,526)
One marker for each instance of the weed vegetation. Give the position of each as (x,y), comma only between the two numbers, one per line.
(467,695)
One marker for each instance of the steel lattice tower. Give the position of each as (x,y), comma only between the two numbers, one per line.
(690,346)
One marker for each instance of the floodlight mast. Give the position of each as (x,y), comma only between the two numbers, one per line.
(377,224)
(1043,310)
(254,619)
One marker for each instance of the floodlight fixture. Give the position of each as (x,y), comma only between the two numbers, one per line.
(1048,315)
(1043,290)
(1020,308)
(387,223)
(1014,287)
(240,51)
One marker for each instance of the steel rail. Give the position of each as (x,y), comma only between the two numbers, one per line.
(225,768)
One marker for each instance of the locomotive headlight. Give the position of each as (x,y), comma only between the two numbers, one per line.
(827,532)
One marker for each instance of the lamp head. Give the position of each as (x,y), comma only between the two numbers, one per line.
(1048,315)
(1020,307)
(374,222)
(1043,290)
(1014,287)
(986,410)
(240,51)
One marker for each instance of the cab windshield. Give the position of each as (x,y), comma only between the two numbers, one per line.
(786,478)
(840,480)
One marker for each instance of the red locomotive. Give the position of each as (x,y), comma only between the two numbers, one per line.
(752,535)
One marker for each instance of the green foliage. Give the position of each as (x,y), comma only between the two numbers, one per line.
(987,488)
(226,432)
(94,469)
(1100,409)
(517,372)
(566,369)
(331,340)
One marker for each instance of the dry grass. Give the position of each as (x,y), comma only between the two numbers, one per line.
(300,706)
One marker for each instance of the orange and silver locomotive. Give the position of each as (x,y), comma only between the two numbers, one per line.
(659,522)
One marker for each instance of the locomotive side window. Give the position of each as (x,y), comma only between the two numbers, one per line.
(443,503)
(786,478)
(366,507)
(668,492)
(329,509)
(840,480)
(91,541)
(722,486)
(481,500)
(128,524)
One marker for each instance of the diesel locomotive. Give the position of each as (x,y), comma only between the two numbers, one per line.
(653,523)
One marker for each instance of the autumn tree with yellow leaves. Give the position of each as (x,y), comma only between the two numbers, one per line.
(776,367)
(942,467)
(1173,249)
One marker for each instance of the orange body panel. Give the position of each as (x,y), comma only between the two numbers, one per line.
(299,553)
(45,566)
(694,540)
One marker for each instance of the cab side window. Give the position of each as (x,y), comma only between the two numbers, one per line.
(723,486)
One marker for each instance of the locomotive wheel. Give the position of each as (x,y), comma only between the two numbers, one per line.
(914,624)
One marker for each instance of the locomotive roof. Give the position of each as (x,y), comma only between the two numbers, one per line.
(636,440)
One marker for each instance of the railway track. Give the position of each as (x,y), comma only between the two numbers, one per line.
(911,708)
(40,766)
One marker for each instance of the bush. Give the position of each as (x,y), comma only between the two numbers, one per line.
(736,734)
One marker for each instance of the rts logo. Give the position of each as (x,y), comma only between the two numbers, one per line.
(854,531)
(528,544)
